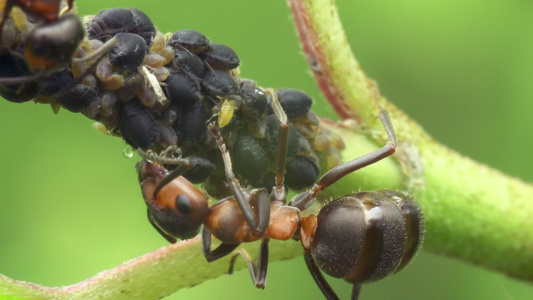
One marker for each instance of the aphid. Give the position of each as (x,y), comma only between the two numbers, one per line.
(137,125)
(109,22)
(218,83)
(131,86)
(301,172)
(188,62)
(220,57)
(250,160)
(226,112)
(190,125)
(129,53)
(182,90)
(254,101)
(295,103)
(191,40)
(51,85)
(105,73)
(78,97)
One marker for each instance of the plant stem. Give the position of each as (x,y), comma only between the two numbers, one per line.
(473,212)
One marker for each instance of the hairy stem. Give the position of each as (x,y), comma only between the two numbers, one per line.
(473,212)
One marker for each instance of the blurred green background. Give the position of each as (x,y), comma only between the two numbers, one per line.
(71,206)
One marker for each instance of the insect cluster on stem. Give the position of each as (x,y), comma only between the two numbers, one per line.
(178,99)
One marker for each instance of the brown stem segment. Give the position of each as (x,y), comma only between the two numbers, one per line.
(336,72)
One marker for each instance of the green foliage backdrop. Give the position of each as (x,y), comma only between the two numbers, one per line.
(71,205)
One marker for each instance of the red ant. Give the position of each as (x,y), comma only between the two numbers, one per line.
(46,10)
(48,47)
(361,237)
(60,35)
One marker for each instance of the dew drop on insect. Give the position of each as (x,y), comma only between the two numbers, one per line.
(128,152)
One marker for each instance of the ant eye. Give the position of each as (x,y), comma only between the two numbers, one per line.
(183,204)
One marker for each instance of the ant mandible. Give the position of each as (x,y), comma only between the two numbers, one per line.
(361,237)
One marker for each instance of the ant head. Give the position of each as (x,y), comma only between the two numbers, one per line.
(176,209)
(51,46)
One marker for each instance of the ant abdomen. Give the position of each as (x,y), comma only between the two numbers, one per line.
(367,236)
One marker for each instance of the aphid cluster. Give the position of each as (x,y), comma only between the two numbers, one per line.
(178,99)
(158,91)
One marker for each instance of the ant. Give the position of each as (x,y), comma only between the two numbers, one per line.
(47,49)
(60,35)
(51,45)
(46,10)
(361,237)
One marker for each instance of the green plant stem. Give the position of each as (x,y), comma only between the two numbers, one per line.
(472,212)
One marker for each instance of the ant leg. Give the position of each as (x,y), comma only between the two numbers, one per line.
(260,225)
(168,237)
(97,55)
(183,166)
(258,271)
(303,200)
(219,252)
(278,192)
(70,5)
(323,285)
(356,290)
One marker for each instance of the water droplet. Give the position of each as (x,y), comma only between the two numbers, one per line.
(128,152)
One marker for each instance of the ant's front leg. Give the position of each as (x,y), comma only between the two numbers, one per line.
(163,233)
(278,191)
(303,200)
(219,252)
(200,166)
(259,225)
